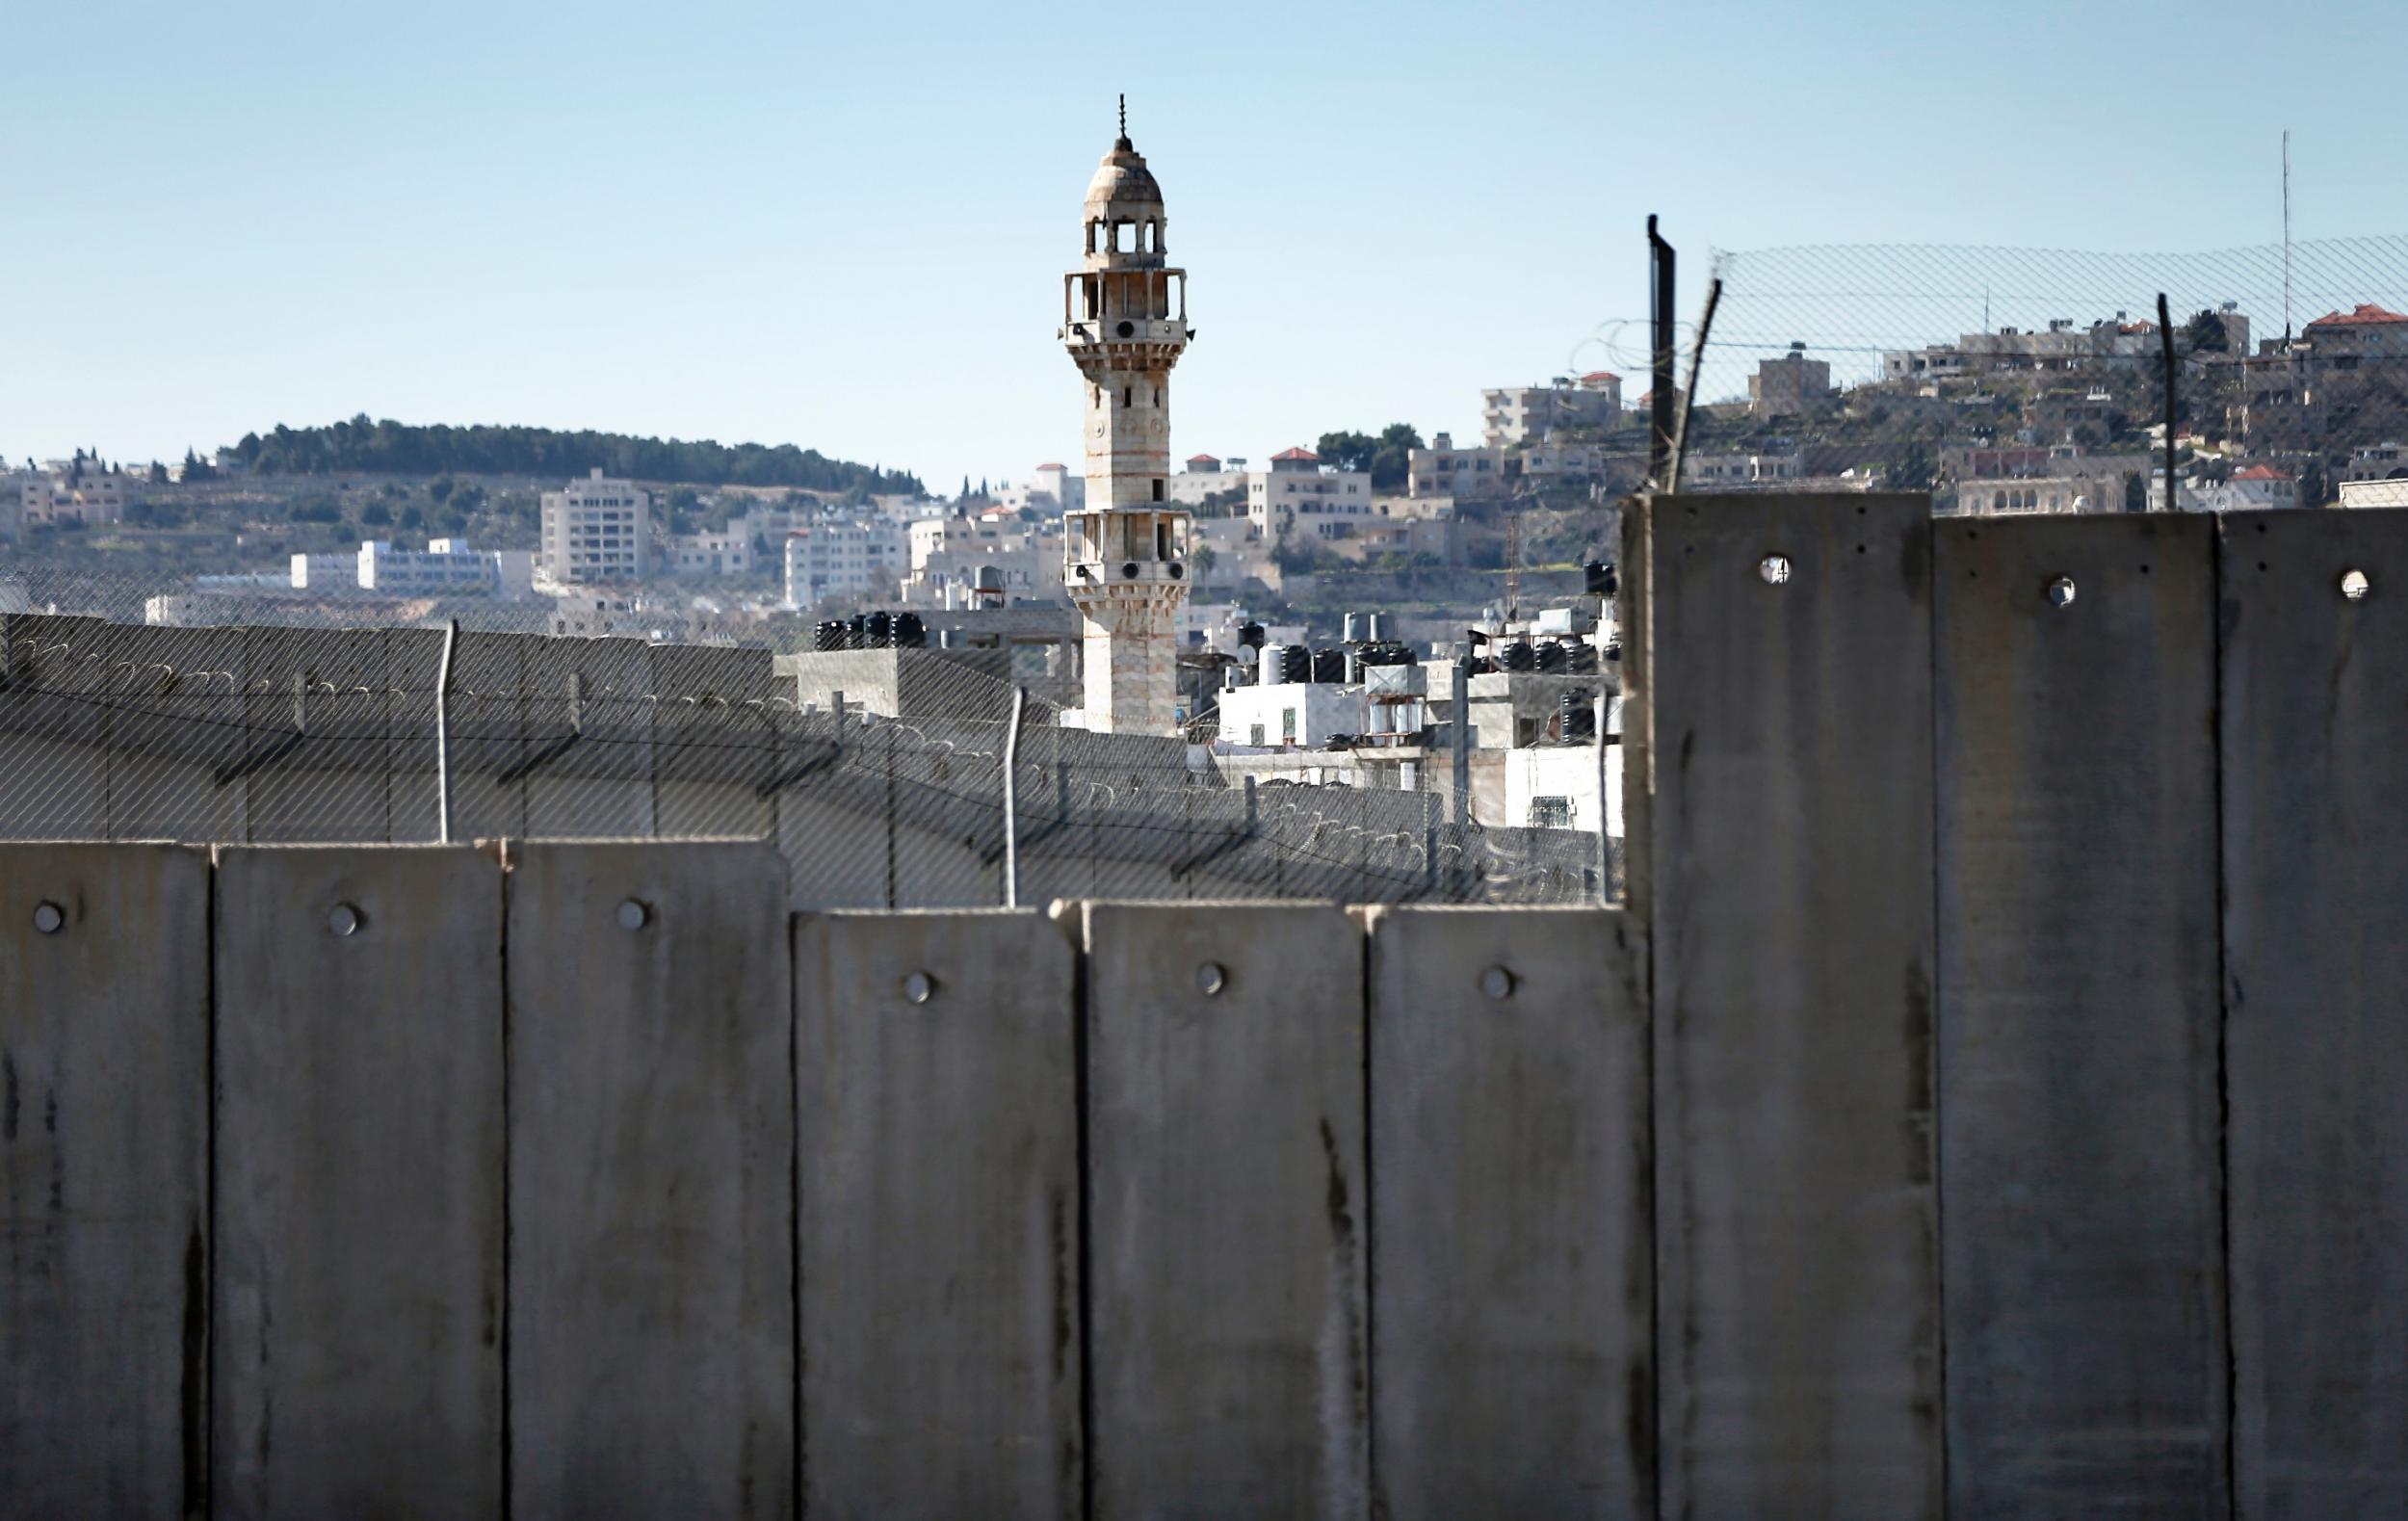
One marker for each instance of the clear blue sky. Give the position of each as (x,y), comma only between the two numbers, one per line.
(845,225)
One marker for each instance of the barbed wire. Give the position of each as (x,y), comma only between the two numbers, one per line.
(111,730)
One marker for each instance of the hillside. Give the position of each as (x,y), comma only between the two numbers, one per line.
(386,447)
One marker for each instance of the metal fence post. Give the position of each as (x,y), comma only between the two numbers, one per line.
(1011,801)
(443,736)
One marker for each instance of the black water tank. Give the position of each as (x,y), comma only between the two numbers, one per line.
(1296,663)
(1553,658)
(1602,581)
(1518,657)
(1250,636)
(1577,710)
(881,630)
(1329,666)
(910,633)
(829,634)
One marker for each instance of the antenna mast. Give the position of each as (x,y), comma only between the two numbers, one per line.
(2287,236)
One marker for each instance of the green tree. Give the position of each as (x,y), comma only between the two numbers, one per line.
(2205,334)
(1346,451)
(1391,461)
(376,515)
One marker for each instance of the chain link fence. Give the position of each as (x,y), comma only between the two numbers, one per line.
(2038,380)
(894,777)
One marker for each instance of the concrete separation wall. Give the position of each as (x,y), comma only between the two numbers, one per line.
(938,1130)
(1513,1289)
(1901,1152)
(1797,1238)
(2316,871)
(2079,1012)
(356,1313)
(104,1248)
(651,1275)
(1225,1155)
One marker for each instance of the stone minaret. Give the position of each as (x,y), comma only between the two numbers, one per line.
(1126,552)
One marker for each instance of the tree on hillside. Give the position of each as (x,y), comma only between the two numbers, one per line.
(1346,451)
(2205,334)
(1385,457)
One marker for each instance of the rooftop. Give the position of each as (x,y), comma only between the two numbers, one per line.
(2363,315)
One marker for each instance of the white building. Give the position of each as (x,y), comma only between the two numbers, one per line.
(596,531)
(2254,487)
(1736,469)
(844,561)
(1527,415)
(1050,489)
(326,572)
(1563,787)
(1297,715)
(722,554)
(1205,477)
(445,567)
(1298,487)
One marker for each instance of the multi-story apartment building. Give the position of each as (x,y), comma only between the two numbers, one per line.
(721,554)
(76,490)
(1740,470)
(1788,387)
(2339,339)
(596,531)
(445,567)
(1204,477)
(1050,488)
(1527,415)
(326,572)
(837,561)
(1470,474)
(1298,487)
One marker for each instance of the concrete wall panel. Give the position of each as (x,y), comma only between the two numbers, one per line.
(2316,862)
(2079,1016)
(1225,1153)
(939,1237)
(651,1148)
(1797,1263)
(357,1293)
(1513,1290)
(104,1061)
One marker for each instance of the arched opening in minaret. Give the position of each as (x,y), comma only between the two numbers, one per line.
(1162,531)
(1124,237)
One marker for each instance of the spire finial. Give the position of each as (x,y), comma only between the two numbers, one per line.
(1124,116)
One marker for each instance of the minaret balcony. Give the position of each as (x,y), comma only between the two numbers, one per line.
(1100,332)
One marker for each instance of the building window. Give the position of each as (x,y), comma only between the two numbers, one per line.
(1287,726)
(1257,732)
(1551,813)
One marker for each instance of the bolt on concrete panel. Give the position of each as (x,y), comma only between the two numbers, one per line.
(104,1061)
(1791,881)
(1512,1245)
(355,1335)
(2316,893)
(2078,1154)
(938,1138)
(1225,1155)
(652,1146)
